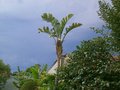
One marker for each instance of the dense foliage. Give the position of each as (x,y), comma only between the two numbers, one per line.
(110,14)
(4,73)
(35,77)
(91,68)
(29,85)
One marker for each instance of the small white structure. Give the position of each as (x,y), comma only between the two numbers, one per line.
(53,69)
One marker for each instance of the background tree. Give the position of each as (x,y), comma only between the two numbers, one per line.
(58,31)
(110,14)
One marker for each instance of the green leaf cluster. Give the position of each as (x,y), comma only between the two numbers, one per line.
(34,76)
(58,27)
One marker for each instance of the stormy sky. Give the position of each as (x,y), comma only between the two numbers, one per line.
(22,45)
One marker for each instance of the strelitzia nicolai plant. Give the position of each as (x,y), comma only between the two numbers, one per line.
(58,31)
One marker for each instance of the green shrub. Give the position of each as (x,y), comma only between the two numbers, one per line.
(91,68)
(34,76)
(4,73)
(29,85)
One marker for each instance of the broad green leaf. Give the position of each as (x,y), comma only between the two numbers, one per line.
(74,25)
(64,21)
(45,30)
(68,29)
(50,18)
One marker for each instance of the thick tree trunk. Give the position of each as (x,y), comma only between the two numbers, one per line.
(59,51)
(59,54)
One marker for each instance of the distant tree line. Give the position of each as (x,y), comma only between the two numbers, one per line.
(4,73)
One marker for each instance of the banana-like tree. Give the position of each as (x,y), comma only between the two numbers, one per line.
(58,31)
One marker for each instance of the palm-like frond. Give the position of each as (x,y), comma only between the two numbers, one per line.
(45,30)
(74,25)
(64,21)
(44,70)
(50,18)
(58,27)
(35,70)
(50,32)
(68,29)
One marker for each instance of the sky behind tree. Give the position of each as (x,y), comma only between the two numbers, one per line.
(22,45)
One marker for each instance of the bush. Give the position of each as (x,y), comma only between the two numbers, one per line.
(4,73)
(91,68)
(34,76)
